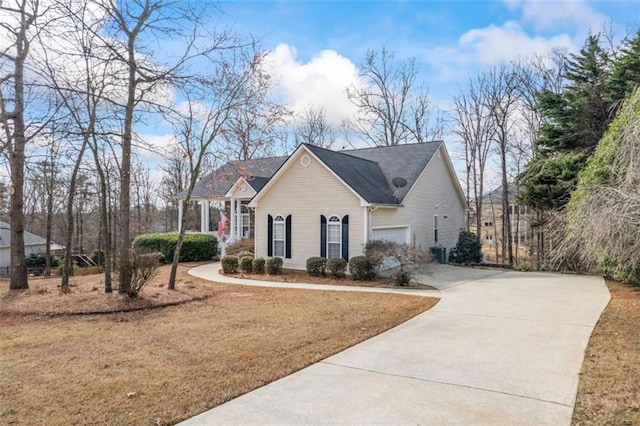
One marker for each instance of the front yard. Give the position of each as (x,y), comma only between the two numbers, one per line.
(609,389)
(163,365)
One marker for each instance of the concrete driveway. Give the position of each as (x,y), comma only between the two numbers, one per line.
(499,348)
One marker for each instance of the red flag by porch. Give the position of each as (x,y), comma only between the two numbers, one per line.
(221,224)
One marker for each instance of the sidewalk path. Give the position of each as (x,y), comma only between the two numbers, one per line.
(210,272)
(499,348)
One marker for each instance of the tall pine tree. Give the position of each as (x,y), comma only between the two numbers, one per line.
(574,122)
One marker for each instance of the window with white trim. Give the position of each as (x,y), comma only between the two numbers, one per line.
(245,221)
(279,236)
(334,237)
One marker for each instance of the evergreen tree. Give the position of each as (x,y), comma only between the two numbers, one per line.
(574,122)
(625,73)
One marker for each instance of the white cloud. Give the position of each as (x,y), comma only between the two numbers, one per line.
(493,44)
(545,15)
(319,83)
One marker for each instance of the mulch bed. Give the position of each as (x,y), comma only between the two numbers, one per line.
(295,276)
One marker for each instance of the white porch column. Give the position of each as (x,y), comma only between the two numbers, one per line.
(203,217)
(180,212)
(232,227)
(239,218)
(208,216)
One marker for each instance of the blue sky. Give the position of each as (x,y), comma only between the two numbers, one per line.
(449,39)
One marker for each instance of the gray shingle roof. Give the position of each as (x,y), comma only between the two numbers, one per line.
(495,196)
(29,238)
(362,175)
(368,171)
(405,161)
(216,184)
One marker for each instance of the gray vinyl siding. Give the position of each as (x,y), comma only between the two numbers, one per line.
(434,193)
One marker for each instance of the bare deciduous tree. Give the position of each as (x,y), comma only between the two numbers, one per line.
(200,127)
(476,128)
(142,25)
(392,107)
(312,128)
(18,29)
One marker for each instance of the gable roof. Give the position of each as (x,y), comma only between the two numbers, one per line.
(29,238)
(405,161)
(368,172)
(495,196)
(363,176)
(216,184)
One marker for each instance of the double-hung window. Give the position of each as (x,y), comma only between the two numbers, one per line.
(279,236)
(334,237)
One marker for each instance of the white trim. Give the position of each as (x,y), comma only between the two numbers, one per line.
(286,166)
(180,213)
(237,184)
(367,213)
(391,226)
(339,234)
(407,227)
(284,232)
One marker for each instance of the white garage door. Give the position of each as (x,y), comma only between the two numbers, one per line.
(397,235)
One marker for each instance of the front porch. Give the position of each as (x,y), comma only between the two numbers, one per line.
(238,218)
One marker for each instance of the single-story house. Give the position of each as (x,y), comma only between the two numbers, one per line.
(32,244)
(318,202)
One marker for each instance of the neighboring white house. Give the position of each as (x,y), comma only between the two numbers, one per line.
(32,244)
(327,203)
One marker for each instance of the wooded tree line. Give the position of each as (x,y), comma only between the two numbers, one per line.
(81,80)
(539,121)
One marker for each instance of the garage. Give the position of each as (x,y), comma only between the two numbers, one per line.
(396,234)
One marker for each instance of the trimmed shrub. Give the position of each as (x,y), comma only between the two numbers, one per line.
(402,278)
(526,267)
(240,248)
(195,247)
(98,257)
(229,264)
(337,267)
(274,265)
(258,265)
(362,268)
(316,266)
(467,250)
(36,260)
(74,270)
(246,264)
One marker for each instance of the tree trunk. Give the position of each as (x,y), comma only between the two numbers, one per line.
(18,277)
(47,250)
(67,268)
(125,178)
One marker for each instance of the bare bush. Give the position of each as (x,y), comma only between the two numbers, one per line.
(143,268)
(410,260)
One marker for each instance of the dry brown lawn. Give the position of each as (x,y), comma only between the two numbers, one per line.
(87,295)
(159,366)
(609,388)
(295,276)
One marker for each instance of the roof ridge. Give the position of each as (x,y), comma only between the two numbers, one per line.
(396,146)
(342,153)
(257,159)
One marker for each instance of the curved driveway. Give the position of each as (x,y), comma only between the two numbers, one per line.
(499,348)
